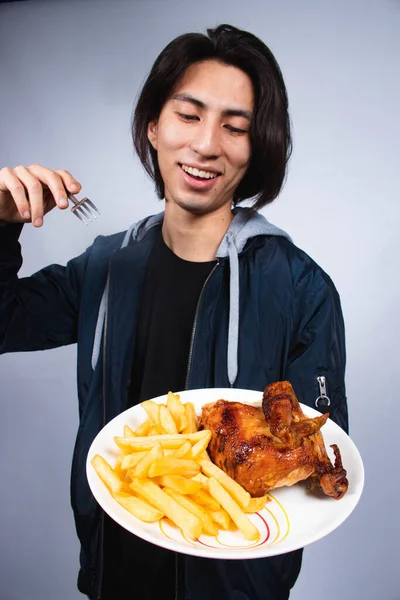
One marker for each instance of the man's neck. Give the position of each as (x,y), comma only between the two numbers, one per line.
(195,237)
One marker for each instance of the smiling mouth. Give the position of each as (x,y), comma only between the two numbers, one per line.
(199,174)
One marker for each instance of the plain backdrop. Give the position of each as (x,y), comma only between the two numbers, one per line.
(69,75)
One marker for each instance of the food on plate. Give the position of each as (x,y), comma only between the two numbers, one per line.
(272,446)
(183,518)
(208,476)
(163,472)
(141,509)
(233,509)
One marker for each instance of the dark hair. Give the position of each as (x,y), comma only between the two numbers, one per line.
(271,142)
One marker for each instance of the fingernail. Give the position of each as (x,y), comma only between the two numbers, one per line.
(74,186)
(27,214)
(63,203)
(38,222)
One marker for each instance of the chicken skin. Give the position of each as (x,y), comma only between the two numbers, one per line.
(272,446)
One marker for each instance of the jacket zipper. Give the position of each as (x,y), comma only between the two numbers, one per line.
(101,542)
(322,402)
(196,315)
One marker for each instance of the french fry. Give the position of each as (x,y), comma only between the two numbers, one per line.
(143,429)
(197,435)
(221,518)
(232,526)
(169,465)
(202,478)
(241,520)
(235,490)
(167,420)
(204,498)
(208,526)
(176,409)
(153,494)
(179,484)
(153,430)
(135,444)
(138,507)
(191,418)
(130,460)
(153,412)
(172,440)
(203,456)
(106,473)
(118,469)
(168,522)
(125,488)
(185,451)
(200,446)
(184,423)
(169,451)
(257,504)
(128,432)
(141,469)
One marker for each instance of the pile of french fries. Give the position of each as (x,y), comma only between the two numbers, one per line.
(163,471)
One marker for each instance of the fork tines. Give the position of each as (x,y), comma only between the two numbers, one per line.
(84,209)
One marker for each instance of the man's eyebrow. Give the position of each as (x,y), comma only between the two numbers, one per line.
(229,112)
(238,112)
(191,99)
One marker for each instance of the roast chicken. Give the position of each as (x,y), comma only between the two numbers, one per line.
(272,446)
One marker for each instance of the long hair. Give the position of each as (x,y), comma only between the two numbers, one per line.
(271,142)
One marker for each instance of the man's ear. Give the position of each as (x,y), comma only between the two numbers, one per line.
(152,133)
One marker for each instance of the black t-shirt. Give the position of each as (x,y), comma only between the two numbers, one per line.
(171,291)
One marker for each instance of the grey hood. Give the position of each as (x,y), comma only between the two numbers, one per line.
(245,225)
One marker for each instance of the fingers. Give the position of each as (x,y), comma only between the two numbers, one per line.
(70,183)
(57,182)
(35,190)
(17,191)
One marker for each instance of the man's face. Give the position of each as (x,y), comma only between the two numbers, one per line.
(202,137)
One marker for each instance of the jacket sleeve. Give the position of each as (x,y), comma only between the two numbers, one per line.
(41,311)
(318,349)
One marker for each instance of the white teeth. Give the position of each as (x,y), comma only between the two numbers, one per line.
(197,173)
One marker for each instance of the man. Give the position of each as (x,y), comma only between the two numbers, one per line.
(205,294)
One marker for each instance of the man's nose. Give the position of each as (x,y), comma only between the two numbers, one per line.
(206,139)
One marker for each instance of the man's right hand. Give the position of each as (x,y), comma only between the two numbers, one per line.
(28,193)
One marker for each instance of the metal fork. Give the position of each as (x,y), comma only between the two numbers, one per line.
(83,209)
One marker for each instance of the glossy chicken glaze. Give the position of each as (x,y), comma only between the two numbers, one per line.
(272,446)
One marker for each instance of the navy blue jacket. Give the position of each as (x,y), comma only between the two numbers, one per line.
(290,328)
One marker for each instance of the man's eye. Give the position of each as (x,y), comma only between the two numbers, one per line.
(236,130)
(188,117)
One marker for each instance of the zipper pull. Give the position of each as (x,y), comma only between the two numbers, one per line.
(322,401)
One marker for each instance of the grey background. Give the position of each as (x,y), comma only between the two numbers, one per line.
(69,73)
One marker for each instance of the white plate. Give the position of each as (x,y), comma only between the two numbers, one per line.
(293,519)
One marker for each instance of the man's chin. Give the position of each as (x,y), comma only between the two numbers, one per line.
(198,207)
